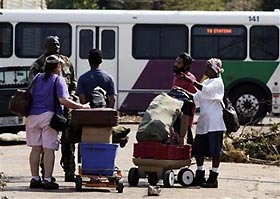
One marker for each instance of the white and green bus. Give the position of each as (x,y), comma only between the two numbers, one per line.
(139,49)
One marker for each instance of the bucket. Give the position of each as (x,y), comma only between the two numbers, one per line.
(98,159)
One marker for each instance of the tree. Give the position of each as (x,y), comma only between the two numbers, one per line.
(269,5)
(242,5)
(214,5)
(210,5)
(72,4)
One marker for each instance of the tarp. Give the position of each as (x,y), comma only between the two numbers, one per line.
(158,118)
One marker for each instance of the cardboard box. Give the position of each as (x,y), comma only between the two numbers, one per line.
(97,134)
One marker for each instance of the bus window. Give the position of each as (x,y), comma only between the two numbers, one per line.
(108,44)
(159,41)
(224,42)
(6,39)
(264,42)
(86,42)
(30,38)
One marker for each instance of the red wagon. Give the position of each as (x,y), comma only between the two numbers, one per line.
(157,161)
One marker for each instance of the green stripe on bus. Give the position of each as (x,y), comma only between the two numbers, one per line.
(234,70)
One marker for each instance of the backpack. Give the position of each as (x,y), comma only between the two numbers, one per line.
(98,98)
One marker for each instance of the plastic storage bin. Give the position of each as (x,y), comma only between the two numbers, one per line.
(98,159)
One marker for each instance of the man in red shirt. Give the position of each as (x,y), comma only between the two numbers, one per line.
(182,65)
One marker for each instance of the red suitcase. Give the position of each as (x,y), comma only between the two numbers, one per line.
(95,117)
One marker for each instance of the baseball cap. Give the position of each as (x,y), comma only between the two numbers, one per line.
(54,59)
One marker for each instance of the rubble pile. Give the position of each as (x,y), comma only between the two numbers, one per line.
(254,146)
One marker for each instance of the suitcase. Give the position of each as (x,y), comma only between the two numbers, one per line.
(95,117)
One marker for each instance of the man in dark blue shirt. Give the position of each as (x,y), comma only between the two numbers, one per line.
(94,84)
(96,78)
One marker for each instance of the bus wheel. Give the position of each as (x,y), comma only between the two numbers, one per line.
(250,102)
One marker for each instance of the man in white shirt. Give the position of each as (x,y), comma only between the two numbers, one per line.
(210,124)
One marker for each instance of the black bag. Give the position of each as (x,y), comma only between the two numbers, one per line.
(230,116)
(58,122)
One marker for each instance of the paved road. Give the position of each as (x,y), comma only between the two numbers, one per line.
(248,181)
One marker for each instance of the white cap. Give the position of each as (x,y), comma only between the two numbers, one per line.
(54,59)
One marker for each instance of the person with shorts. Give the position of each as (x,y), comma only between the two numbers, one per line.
(210,125)
(52,47)
(39,135)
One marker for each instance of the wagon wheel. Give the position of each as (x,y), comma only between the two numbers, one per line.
(168,178)
(133,177)
(185,177)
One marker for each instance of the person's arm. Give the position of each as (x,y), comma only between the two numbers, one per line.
(73,105)
(82,98)
(184,128)
(112,100)
(194,82)
(73,84)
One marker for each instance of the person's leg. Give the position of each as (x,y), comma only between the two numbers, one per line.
(67,161)
(34,159)
(216,161)
(200,148)
(215,147)
(200,172)
(48,161)
(50,141)
(33,139)
(49,158)
(42,164)
(190,136)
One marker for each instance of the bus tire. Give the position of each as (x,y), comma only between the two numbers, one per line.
(250,102)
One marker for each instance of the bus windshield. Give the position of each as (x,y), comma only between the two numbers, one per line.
(13,75)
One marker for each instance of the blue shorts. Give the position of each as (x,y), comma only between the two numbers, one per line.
(208,145)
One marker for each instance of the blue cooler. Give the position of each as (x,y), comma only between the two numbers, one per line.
(98,159)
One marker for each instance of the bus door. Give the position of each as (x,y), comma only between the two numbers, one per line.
(103,38)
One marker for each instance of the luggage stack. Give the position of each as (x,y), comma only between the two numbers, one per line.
(97,123)
(97,151)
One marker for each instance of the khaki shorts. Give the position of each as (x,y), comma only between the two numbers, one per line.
(39,132)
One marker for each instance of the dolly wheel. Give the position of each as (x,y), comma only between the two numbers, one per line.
(185,177)
(168,178)
(78,182)
(120,187)
(133,177)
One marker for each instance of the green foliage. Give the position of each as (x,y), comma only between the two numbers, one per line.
(208,5)
(72,4)
(241,5)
